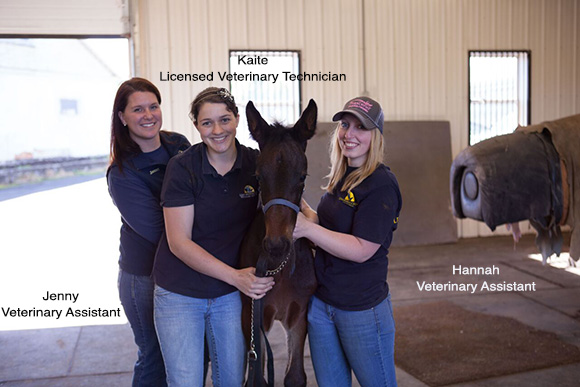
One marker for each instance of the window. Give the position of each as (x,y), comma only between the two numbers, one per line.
(499,93)
(276,99)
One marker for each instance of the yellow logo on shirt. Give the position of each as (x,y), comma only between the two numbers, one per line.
(249,192)
(349,199)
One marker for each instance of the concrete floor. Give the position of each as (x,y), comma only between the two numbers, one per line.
(87,353)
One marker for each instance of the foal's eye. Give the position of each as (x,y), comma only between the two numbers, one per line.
(303,178)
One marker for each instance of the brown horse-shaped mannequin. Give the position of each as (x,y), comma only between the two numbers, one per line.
(281,171)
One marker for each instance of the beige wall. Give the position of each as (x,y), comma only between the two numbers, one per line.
(411,55)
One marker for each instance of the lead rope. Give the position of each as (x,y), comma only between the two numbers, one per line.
(252,354)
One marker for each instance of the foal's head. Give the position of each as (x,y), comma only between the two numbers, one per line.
(281,171)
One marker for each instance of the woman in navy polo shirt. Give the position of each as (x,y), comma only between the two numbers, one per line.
(209,199)
(139,153)
(350,319)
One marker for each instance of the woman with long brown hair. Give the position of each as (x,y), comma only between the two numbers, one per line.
(209,199)
(140,150)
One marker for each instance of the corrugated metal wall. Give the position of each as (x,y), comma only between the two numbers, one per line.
(409,54)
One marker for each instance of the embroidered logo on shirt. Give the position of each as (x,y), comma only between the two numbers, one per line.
(349,200)
(249,192)
(154,171)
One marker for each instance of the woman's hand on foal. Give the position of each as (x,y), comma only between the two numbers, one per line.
(301,227)
(252,286)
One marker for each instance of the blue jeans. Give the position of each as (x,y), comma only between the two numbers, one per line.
(136,294)
(183,323)
(361,341)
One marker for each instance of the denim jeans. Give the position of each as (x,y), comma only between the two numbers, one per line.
(361,341)
(136,294)
(183,323)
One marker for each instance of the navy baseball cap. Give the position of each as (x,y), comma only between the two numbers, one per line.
(366,109)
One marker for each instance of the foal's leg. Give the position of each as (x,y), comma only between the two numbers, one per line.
(295,325)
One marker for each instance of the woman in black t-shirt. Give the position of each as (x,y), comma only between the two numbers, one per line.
(208,206)
(350,320)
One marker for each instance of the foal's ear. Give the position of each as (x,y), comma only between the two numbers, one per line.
(256,124)
(306,125)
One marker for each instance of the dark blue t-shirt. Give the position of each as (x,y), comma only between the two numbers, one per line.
(369,212)
(224,208)
(135,192)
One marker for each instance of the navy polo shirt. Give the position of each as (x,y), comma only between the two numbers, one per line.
(369,212)
(224,208)
(135,192)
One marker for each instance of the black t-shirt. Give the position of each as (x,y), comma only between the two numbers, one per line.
(224,207)
(370,212)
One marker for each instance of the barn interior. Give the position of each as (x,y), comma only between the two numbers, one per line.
(61,234)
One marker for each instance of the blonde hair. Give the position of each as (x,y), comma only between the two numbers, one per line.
(339,163)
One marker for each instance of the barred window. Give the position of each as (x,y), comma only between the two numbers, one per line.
(276,99)
(499,93)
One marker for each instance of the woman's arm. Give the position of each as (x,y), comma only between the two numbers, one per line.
(178,224)
(138,206)
(344,246)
